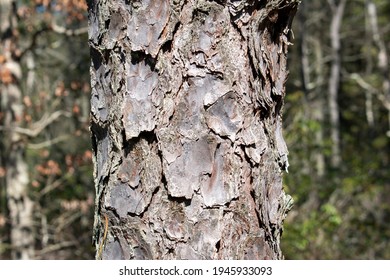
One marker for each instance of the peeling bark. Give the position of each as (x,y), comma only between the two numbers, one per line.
(187,129)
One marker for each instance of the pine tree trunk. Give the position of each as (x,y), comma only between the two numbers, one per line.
(186,127)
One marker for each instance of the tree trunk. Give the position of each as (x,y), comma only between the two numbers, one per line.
(20,206)
(312,88)
(383,58)
(334,80)
(187,129)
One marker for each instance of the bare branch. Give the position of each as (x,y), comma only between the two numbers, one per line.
(39,126)
(332,4)
(68,32)
(362,83)
(55,28)
(50,187)
(55,247)
(48,143)
(34,39)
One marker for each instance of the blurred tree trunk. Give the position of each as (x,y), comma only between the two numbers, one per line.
(187,129)
(334,79)
(383,58)
(20,206)
(314,102)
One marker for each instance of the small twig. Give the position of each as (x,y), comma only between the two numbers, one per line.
(47,143)
(68,32)
(56,247)
(57,183)
(99,256)
(363,84)
(39,126)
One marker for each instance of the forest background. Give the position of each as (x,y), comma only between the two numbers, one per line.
(336,125)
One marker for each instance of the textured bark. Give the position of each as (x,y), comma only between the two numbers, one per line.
(20,206)
(187,129)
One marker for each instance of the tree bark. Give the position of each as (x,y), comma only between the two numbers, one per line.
(187,129)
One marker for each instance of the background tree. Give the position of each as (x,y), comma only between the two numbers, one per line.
(19,204)
(45,173)
(187,128)
(341,211)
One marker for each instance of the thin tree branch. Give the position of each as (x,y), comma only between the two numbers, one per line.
(68,32)
(50,187)
(39,126)
(33,40)
(363,84)
(47,143)
(55,28)
(56,247)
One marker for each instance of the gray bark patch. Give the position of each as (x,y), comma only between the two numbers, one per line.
(146,24)
(224,117)
(125,200)
(184,175)
(138,110)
